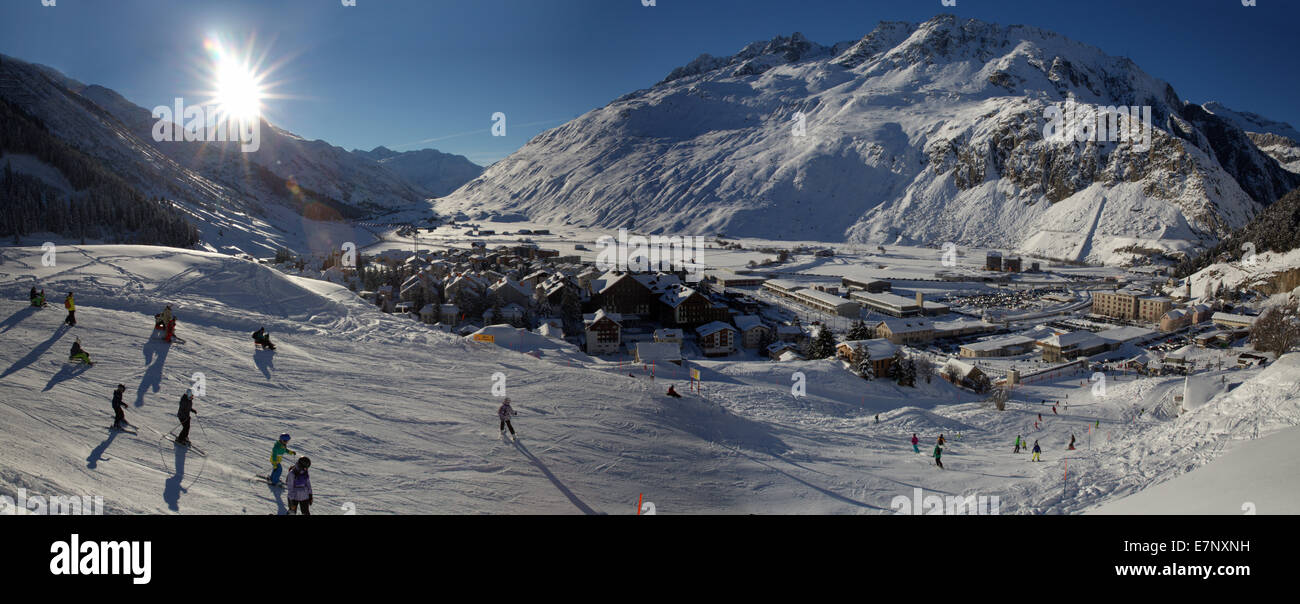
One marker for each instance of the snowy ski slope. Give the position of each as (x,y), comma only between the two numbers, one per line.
(400,418)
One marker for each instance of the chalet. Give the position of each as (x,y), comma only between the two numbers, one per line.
(1072,345)
(1232,321)
(429,314)
(962,374)
(789,333)
(622,293)
(880,351)
(448,314)
(716,339)
(905,331)
(752,330)
(603,331)
(667,334)
(778,350)
(681,305)
(510,291)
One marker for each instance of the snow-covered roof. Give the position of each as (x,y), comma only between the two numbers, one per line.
(1228,317)
(1082,339)
(1126,334)
(657,351)
(998,343)
(877,348)
(897,326)
(709,329)
(748,322)
(588,319)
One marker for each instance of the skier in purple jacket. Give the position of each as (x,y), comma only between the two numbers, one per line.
(504,414)
(300,487)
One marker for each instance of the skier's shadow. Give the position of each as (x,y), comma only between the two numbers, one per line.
(265,360)
(66,372)
(278,493)
(93,460)
(37,351)
(155,356)
(17,318)
(555,481)
(172,489)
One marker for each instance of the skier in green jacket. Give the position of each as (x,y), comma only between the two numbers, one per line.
(938,452)
(278,451)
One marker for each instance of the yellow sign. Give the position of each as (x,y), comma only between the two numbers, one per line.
(695,374)
(483,337)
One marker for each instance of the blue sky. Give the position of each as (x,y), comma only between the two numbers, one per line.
(429,73)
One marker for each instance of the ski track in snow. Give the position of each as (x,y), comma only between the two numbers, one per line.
(399,418)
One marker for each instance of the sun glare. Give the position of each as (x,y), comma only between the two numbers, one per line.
(238,89)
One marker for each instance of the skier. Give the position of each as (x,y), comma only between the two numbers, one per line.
(38,298)
(504,413)
(1071,442)
(877,418)
(1017,449)
(1053,409)
(1037,451)
(277,452)
(79,354)
(300,487)
(183,414)
(672,392)
(1040,417)
(119,408)
(261,338)
(941,441)
(71,305)
(938,452)
(916,443)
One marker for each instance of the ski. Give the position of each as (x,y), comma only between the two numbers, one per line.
(267,481)
(172,439)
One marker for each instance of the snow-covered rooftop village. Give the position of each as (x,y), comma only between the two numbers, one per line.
(894,274)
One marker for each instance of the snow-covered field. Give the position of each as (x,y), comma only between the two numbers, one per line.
(400,418)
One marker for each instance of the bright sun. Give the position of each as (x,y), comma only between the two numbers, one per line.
(238,87)
(239,93)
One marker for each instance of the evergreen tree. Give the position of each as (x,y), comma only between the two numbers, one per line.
(865,368)
(859,331)
(822,346)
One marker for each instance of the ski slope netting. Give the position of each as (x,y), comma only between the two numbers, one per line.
(400,418)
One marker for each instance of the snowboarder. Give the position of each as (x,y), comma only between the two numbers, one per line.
(916,443)
(38,298)
(1017,449)
(71,305)
(1071,442)
(79,354)
(1037,451)
(278,450)
(938,452)
(263,339)
(183,414)
(504,414)
(300,487)
(119,408)
(673,393)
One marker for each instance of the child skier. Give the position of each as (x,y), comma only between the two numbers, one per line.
(938,453)
(278,450)
(300,487)
(119,408)
(71,305)
(916,443)
(504,414)
(38,298)
(1017,449)
(79,354)
(183,414)
(1037,450)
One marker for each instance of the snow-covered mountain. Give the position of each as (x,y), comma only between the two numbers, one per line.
(923,132)
(290,192)
(432,170)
